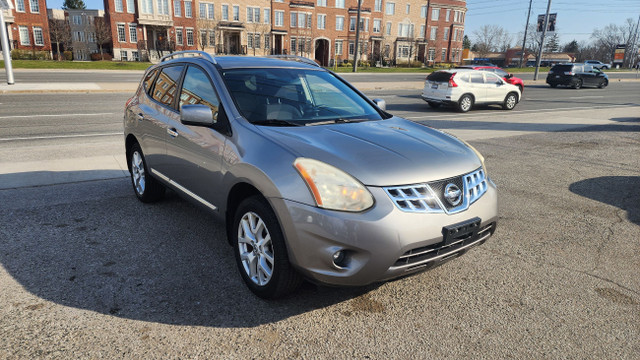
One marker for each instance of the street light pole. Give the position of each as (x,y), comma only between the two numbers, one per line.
(526,28)
(355,51)
(544,32)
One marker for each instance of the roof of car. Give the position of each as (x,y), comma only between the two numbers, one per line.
(235,62)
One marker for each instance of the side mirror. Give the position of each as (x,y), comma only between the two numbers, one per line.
(198,115)
(382,105)
(509,76)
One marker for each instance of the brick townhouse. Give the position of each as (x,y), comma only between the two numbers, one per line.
(324,30)
(27,25)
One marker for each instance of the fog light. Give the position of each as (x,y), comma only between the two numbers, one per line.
(339,258)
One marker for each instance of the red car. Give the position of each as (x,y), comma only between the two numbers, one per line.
(508,77)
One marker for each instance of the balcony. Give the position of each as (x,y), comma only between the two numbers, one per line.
(155,19)
(301,4)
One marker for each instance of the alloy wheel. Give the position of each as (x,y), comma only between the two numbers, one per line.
(137,171)
(256,249)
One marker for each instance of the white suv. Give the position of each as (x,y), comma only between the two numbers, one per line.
(464,88)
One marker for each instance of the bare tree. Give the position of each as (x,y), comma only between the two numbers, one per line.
(257,29)
(612,35)
(491,38)
(60,34)
(103,33)
(204,26)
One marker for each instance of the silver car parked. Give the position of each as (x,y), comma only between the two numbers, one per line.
(314,179)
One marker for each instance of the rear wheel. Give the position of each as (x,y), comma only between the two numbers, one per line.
(434,105)
(510,101)
(578,84)
(260,251)
(147,188)
(465,103)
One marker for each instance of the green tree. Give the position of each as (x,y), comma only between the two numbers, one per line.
(552,43)
(571,47)
(73,4)
(466,43)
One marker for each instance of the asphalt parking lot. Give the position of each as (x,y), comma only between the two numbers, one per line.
(87,271)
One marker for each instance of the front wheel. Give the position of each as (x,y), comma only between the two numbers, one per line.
(260,251)
(147,188)
(465,103)
(578,84)
(603,84)
(510,101)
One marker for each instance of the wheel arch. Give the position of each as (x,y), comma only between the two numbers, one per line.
(128,144)
(237,193)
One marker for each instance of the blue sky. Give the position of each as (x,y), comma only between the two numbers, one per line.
(576,18)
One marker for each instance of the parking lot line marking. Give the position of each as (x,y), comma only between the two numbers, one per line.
(457,115)
(51,115)
(587,97)
(59,136)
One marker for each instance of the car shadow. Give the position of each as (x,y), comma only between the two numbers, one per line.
(93,246)
(622,192)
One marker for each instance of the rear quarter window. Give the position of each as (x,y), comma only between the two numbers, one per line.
(562,68)
(148,80)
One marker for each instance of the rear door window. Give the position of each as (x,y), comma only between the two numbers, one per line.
(492,79)
(476,78)
(164,90)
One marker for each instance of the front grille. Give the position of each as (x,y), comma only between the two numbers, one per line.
(421,256)
(430,197)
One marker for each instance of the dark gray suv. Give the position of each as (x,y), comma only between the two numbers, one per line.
(576,76)
(314,179)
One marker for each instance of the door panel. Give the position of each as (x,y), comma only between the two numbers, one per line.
(478,89)
(495,88)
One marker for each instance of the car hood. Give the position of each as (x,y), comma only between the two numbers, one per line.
(380,153)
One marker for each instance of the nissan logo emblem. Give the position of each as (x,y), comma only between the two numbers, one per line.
(453,194)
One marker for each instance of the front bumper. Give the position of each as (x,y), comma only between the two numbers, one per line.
(381,243)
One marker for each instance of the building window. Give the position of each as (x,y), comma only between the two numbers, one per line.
(448,15)
(256,40)
(189,37)
(405,30)
(91,37)
(322,21)
(177,10)
(408,9)
(147,6)
(279,20)
(432,54)
(123,55)
(121,33)
(446,33)
(391,8)
(338,47)
(352,48)
(20,6)
(444,55)
(434,33)
(188,10)
(293,45)
(435,14)
(423,11)
(388,29)
(203,38)
(179,38)
(35,6)
(340,4)
(37,36)
(212,38)
(422,30)
(322,3)
(163,7)
(352,23)
(210,14)
(377,24)
(250,40)
(266,41)
(131,7)
(203,11)
(225,12)
(253,14)
(135,56)
(403,51)
(294,19)
(236,13)
(267,15)
(76,19)
(119,6)
(339,23)
(133,33)
(377,6)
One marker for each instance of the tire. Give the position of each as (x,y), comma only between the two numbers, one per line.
(146,188)
(603,84)
(434,105)
(521,87)
(510,101)
(260,248)
(578,84)
(465,103)
(553,85)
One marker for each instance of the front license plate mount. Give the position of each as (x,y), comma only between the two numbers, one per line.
(466,230)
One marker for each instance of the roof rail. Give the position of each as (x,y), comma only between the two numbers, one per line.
(193,53)
(301,59)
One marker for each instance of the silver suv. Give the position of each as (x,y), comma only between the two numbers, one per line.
(314,179)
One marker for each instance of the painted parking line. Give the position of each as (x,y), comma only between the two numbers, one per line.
(484,114)
(51,115)
(60,136)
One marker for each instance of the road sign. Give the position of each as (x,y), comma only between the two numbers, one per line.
(551,27)
(5,5)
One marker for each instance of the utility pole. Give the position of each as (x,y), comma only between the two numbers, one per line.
(544,32)
(526,28)
(6,52)
(634,51)
(355,51)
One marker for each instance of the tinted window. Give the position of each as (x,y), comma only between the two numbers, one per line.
(148,80)
(562,68)
(439,76)
(491,79)
(166,84)
(197,89)
(476,78)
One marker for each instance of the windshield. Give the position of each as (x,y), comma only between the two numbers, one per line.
(290,97)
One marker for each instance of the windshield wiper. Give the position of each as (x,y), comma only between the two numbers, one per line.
(275,122)
(335,121)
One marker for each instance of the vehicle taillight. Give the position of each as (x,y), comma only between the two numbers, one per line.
(128,102)
(451,82)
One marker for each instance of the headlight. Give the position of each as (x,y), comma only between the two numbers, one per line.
(333,188)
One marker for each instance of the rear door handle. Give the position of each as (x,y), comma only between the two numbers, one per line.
(172,132)
(140,117)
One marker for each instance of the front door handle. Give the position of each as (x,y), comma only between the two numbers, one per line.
(172,132)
